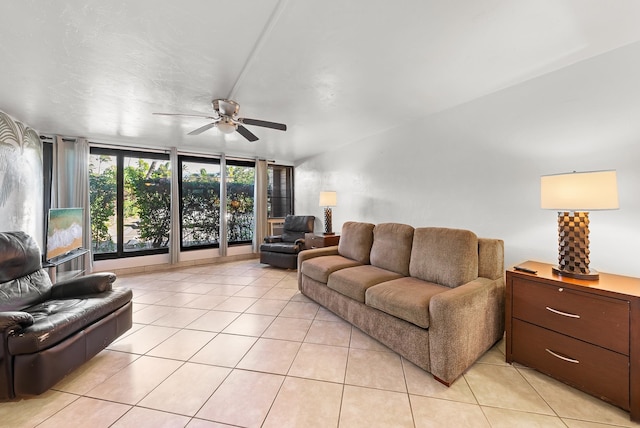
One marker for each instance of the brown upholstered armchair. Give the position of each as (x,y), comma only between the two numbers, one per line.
(282,250)
(47,330)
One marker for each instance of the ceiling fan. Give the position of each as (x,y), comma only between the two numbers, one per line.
(226,119)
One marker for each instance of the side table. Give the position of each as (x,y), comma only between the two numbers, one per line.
(67,266)
(311,240)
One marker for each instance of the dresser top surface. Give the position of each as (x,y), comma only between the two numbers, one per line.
(607,282)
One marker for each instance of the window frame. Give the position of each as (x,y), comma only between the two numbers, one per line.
(120,154)
(246,164)
(195,159)
(290,190)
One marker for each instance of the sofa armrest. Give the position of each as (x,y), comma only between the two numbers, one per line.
(316,252)
(14,320)
(464,323)
(80,286)
(273,238)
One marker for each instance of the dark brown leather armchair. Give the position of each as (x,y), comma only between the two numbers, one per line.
(47,329)
(282,250)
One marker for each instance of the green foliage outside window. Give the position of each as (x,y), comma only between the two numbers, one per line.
(240,181)
(240,212)
(102,184)
(147,202)
(148,194)
(201,206)
(200,209)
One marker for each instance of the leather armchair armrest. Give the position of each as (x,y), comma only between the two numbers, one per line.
(273,238)
(14,320)
(80,286)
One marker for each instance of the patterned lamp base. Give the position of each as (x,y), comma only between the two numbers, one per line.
(573,246)
(327,221)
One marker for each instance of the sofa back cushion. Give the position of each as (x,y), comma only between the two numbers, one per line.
(19,255)
(356,240)
(22,280)
(391,249)
(444,256)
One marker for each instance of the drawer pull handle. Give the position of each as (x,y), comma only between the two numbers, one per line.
(564,314)
(570,360)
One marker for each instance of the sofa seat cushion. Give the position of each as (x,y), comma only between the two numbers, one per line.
(319,268)
(353,282)
(406,298)
(55,320)
(281,247)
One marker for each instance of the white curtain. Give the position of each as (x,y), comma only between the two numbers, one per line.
(223,206)
(260,204)
(62,167)
(70,184)
(174,235)
(81,195)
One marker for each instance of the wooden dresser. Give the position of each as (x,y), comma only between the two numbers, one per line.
(584,333)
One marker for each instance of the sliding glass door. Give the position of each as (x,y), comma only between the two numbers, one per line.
(130,196)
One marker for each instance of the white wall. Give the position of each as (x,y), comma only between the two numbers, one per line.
(477,166)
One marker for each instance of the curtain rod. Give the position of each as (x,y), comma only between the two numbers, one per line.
(153,149)
(188,153)
(180,152)
(123,146)
(49,137)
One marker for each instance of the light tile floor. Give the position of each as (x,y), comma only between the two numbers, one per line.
(235,344)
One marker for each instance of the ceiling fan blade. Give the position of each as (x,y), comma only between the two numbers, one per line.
(186,115)
(263,123)
(202,129)
(246,133)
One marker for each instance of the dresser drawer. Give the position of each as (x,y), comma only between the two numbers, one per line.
(318,241)
(595,319)
(590,368)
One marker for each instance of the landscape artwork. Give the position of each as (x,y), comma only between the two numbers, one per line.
(64,231)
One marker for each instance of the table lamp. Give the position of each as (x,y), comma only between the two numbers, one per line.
(573,195)
(328,200)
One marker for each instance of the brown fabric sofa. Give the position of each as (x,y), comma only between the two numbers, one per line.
(434,295)
(47,329)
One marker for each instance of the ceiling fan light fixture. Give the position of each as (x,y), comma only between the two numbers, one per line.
(226,127)
(226,119)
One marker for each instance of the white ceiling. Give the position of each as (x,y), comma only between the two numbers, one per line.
(334,71)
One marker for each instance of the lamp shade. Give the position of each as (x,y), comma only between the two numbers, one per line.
(579,191)
(328,199)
